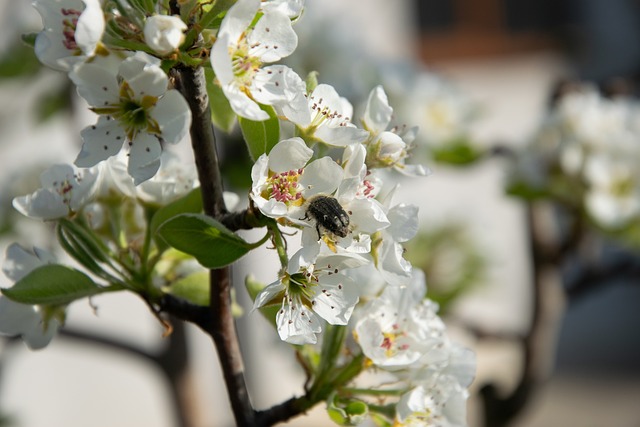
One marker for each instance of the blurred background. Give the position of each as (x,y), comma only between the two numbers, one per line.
(482,74)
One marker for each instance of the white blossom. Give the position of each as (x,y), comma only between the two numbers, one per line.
(136,106)
(241,50)
(25,320)
(164,34)
(308,291)
(72,31)
(399,327)
(386,147)
(285,178)
(65,190)
(326,117)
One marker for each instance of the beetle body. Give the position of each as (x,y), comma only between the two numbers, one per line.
(328,214)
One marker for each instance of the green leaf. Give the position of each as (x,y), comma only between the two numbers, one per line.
(261,136)
(222,114)
(458,152)
(189,203)
(53,284)
(193,288)
(210,242)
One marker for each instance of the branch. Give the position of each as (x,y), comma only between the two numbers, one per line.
(539,341)
(220,325)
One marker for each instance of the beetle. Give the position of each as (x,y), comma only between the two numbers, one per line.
(328,214)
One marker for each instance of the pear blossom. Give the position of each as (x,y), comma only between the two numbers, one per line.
(613,196)
(27,321)
(387,148)
(398,328)
(285,178)
(135,106)
(238,55)
(443,111)
(72,31)
(308,291)
(65,190)
(164,34)
(326,117)
(441,403)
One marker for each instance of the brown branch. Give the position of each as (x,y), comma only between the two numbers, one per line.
(221,325)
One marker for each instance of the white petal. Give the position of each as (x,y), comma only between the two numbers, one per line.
(341,136)
(321,176)
(268,294)
(144,75)
(297,324)
(367,215)
(43,204)
(335,298)
(19,262)
(394,268)
(289,154)
(144,157)
(100,141)
(377,114)
(173,115)
(404,222)
(221,61)
(242,105)
(96,84)
(273,38)
(238,18)
(353,161)
(90,27)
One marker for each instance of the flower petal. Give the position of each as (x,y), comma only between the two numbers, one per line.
(272,38)
(289,154)
(297,324)
(321,176)
(101,141)
(377,114)
(173,115)
(144,157)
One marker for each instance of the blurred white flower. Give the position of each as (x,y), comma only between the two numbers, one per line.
(72,31)
(25,320)
(164,34)
(65,190)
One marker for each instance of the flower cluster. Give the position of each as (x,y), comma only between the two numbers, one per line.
(584,155)
(128,211)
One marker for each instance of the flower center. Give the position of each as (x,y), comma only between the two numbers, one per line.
(323,113)
(284,187)
(390,341)
(69,25)
(244,65)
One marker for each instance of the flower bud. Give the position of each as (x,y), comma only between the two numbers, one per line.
(163,33)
